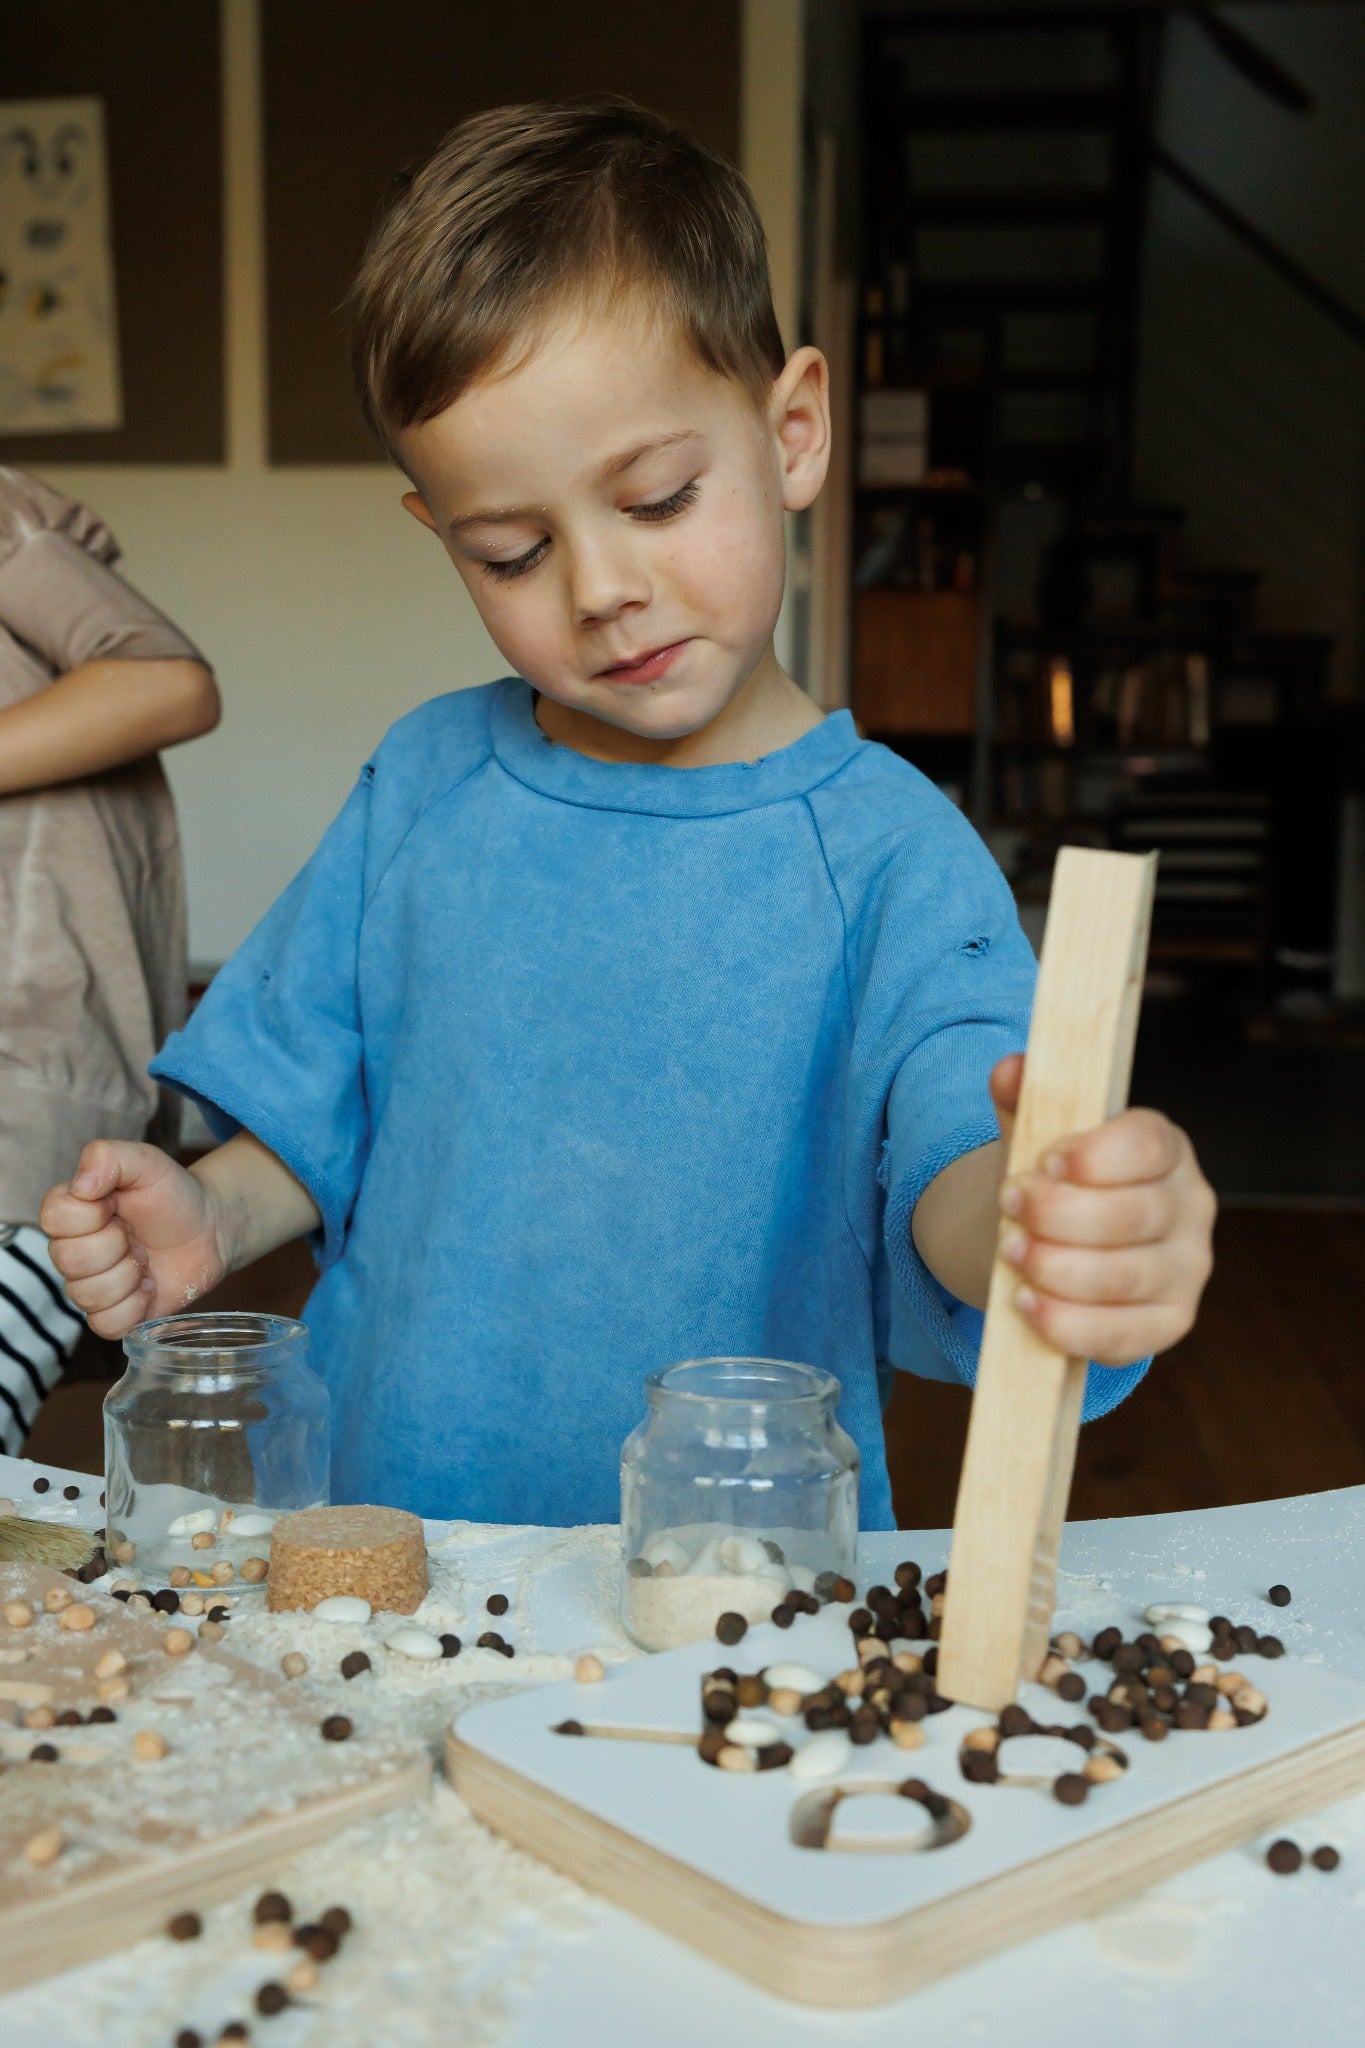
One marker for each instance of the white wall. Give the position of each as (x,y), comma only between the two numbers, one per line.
(1251,405)
(325,610)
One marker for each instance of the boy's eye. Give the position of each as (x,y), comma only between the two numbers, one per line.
(502,571)
(665,508)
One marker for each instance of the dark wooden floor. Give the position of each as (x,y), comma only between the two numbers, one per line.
(1266,1397)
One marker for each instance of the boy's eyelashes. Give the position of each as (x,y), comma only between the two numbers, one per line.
(649,512)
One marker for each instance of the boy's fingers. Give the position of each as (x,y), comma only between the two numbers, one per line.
(1136,1274)
(109,1290)
(65,1215)
(118,1321)
(81,1258)
(1067,1214)
(1138,1145)
(1109,1336)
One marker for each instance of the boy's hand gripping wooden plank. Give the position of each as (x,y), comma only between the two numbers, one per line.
(1021,1443)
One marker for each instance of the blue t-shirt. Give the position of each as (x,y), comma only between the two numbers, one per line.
(590,1068)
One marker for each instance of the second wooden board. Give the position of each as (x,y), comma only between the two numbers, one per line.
(723,1861)
(246,1780)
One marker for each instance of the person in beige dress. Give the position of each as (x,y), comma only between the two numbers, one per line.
(93,682)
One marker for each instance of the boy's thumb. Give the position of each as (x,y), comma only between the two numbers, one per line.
(110,1163)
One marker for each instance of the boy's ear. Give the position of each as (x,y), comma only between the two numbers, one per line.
(798,411)
(414,503)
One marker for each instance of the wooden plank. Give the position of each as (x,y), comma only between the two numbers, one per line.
(1021,1441)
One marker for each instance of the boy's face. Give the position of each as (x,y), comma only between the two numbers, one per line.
(615,510)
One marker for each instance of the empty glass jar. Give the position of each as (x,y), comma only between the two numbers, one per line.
(217,1426)
(739,1486)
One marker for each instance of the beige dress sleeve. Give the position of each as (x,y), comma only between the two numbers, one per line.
(92,914)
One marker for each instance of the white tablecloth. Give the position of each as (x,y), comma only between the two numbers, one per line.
(460,1941)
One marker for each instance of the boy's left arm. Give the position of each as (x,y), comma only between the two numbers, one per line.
(1111,1237)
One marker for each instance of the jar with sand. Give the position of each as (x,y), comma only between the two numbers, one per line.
(738,1488)
(217,1426)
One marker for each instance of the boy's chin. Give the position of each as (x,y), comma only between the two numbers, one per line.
(653,713)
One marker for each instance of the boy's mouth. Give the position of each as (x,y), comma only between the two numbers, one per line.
(645,668)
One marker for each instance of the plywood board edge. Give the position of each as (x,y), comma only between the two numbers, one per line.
(873,1963)
(82,1922)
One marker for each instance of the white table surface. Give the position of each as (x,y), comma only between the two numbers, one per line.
(1223,1951)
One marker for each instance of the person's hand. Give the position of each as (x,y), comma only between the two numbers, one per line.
(133,1235)
(1112,1236)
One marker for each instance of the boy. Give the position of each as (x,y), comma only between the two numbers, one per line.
(629,1011)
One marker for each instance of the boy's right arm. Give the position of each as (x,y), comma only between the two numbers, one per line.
(135,1235)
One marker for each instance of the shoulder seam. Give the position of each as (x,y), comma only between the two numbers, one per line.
(416,820)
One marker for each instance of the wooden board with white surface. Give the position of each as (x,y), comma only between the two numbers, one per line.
(1026,1407)
(708,1856)
(247,1781)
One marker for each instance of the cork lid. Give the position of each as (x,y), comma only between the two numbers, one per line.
(346,1528)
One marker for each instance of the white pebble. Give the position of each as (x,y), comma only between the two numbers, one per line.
(753,1731)
(792,1678)
(665,1550)
(415,1642)
(252,1523)
(824,1756)
(1045,1756)
(1175,1610)
(802,1577)
(1197,1636)
(707,1562)
(743,1554)
(193,1525)
(342,1607)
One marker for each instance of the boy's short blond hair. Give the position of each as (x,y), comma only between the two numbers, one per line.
(524,211)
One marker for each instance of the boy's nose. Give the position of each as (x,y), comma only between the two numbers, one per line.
(604,581)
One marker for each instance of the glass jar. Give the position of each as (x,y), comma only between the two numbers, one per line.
(217,1426)
(738,1487)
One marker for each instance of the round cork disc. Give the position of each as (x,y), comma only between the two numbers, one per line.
(377,1553)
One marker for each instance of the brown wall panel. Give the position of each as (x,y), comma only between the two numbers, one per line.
(355,90)
(155,64)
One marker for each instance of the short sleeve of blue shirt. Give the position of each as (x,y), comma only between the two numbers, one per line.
(276,1045)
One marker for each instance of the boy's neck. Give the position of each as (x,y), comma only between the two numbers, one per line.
(767,713)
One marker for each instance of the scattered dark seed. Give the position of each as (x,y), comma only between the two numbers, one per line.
(1071,1686)
(782,1615)
(1071,1789)
(187,2038)
(979,1766)
(568,1728)
(497,1603)
(235,2030)
(103,1714)
(68,1718)
(1325,1858)
(353,1663)
(843,1590)
(775,1756)
(167,1601)
(1154,1728)
(102,1500)
(337,1921)
(1016,1720)
(184,1927)
(123,1593)
(907,1575)
(450,1646)
(1279,1596)
(1129,1659)
(218,1613)
(336,1728)
(937,1582)
(1284,1857)
(860,1622)
(731,1628)
(71,1493)
(43,1753)
(270,1999)
(1189,1715)
(1106,1642)
(1245,1639)
(1270,1646)
(1182,1663)
(42,1485)
(271,1906)
(317,1941)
